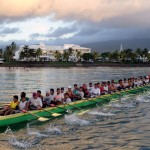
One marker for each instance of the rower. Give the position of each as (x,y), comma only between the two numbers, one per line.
(10,109)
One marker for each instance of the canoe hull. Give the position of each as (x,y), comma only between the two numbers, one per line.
(20,119)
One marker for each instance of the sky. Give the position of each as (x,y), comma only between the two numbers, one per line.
(57,22)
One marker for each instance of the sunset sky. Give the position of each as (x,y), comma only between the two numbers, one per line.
(56,22)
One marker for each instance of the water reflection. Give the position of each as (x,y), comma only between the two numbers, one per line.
(15,80)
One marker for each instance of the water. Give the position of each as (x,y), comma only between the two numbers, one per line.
(122,124)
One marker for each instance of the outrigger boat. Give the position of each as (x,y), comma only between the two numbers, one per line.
(18,119)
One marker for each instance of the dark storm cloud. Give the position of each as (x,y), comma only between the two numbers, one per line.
(5,31)
(63,30)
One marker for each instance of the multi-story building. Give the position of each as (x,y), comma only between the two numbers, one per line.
(48,52)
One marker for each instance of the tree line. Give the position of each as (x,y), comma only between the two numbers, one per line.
(125,56)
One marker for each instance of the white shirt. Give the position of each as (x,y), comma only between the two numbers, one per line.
(106,88)
(80,94)
(68,100)
(95,91)
(36,102)
(22,105)
(90,89)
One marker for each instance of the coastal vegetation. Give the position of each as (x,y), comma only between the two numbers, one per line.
(126,56)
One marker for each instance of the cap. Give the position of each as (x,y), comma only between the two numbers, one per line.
(34,94)
(69,87)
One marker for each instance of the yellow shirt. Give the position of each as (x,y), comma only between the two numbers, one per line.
(13,105)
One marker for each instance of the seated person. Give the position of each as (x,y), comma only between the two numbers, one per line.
(23,104)
(90,87)
(46,100)
(58,97)
(75,89)
(112,87)
(35,102)
(86,91)
(10,109)
(80,94)
(39,95)
(70,92)
(67,100)
(95,91)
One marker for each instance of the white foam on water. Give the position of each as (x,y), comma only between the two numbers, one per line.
(100,113)
(142,99)
(33,131)
(117,105)
(53,130)
(74,120)
(13,141)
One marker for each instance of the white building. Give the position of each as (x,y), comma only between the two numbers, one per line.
(48,52)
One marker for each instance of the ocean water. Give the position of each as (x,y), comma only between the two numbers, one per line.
(121,125)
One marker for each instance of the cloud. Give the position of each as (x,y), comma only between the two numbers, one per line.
(7,30)
(92,10)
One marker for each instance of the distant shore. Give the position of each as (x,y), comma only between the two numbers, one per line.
(70,64)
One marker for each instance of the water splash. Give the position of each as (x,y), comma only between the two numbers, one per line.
(53,130)
(94,112)
(74,120)
(142,99)
(36,132)
(13,141)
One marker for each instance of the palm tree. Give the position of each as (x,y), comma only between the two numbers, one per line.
(58,56)
(96,55)
(8,54)
(65,56)
(38,52)
(1,53)
(79,55)
(114,56)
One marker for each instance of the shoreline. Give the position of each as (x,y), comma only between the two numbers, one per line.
(69,64)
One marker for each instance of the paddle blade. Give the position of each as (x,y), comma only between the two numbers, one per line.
(56,114)
(42,119)
(83,112)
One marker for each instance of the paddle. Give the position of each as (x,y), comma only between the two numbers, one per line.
(53,114)
(39,118)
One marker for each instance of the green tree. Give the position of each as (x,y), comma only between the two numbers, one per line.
(79,55)
(1,53)
(8,54)
(58,56)
(114,56)
(105,55)
(38,52)
(87,56)
(65,55)
(96,55)
(25,52)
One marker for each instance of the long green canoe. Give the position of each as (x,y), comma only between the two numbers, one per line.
(17,120)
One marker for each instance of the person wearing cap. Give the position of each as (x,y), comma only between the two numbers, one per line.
(35,102)
(46,100)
